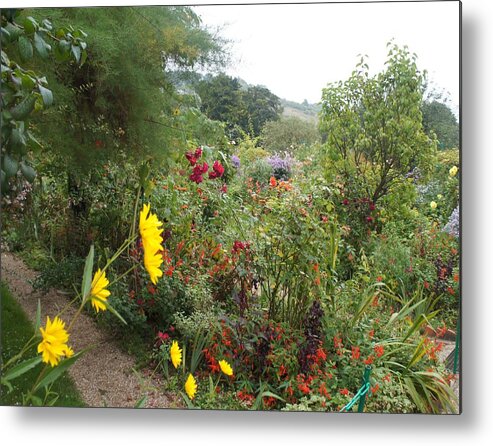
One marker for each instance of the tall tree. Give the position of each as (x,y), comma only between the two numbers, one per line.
(439,120)
(374,124)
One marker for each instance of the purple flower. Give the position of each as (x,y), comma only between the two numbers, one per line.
(281,167)
(453,225)
(235,161)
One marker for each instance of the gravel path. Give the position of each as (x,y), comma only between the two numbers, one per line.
(103,375)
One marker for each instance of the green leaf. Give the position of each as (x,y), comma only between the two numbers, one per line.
(25,48)
(23,108)
(28,172)
(58,370)
(10,165)
(47,95)
(41,46)
(22,368)
(37,322)
(187,401)
(76,52)
(30,25)
(141,403)
(87,277)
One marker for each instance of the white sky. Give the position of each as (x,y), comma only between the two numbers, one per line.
(295,50)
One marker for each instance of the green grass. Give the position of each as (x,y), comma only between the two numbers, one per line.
(16,330)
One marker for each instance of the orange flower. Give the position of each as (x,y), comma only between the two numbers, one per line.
(273,182)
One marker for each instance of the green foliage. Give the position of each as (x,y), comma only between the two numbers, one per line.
(24,91)
(374,125)
(242,109)
(16,331)
(288,135)
(440,122)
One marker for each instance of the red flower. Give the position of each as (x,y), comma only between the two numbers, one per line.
(379,278)
(337,342)
(98,143)
(379,350)
(321,354)
(272,182)
(224,188)
(369,219)
(198,171)
(240,246)
(163,336)
(323,390)
(355,353)
(218,170)
(344,392)
(369,360)
(372,206)
(375,388)
(371,333)
(282,370)
(426,284)
(303,387)
(192,157)
(345,202)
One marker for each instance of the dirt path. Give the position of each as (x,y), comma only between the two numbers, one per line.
(104,375)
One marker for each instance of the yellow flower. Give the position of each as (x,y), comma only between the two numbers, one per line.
(453,171)
(151,241)
(191,386)
(433,205)
(54,343)
(175,353)
(439,196)
(225,367)
(99,293)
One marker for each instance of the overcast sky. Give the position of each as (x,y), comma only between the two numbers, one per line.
(295,50)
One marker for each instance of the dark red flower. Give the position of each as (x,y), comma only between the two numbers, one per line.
(198,171)
(224,188)
(190,156)
(239,246)
(345,202)
(218,170)
(198,152)
(372,206)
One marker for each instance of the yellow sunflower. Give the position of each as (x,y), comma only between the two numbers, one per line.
(191,386)
(99,293)
(54,343)
(150,232)
(225,367)
(175,353)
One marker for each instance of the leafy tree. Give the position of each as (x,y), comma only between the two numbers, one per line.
(260,106)
(24,91)
(439,120)
(247,109)
(126,97)
(374,127)
(288,134)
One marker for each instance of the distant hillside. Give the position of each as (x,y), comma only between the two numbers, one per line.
(305,111)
